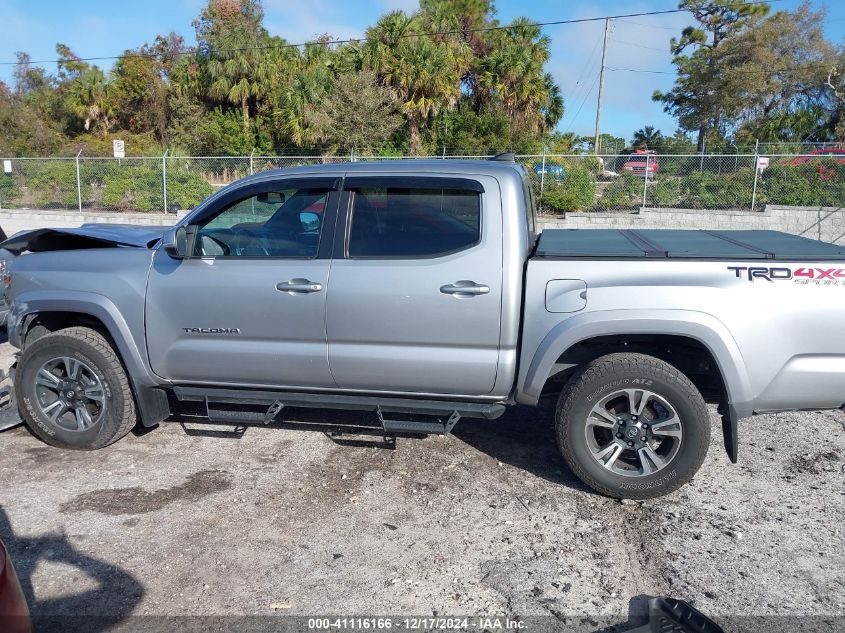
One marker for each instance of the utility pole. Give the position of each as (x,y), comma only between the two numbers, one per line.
(601,85)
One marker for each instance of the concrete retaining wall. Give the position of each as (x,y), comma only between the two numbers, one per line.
(16,220)
(825,223)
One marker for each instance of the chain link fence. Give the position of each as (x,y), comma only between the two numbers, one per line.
(561,182)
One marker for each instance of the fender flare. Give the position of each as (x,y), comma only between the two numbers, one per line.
(700,326)
(151,400)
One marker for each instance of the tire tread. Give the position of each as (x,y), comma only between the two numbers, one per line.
(97,341)
(607,367)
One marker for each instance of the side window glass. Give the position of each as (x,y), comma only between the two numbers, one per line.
(411,223)
(283,223)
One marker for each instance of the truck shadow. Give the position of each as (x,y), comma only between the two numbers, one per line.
(111,601)
(523,437)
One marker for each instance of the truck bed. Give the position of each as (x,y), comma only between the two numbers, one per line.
(680,244)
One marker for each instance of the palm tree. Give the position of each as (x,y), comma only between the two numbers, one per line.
(512,74)
(88,98)
(238,75)
(553,109)
(647,138)
(424,75)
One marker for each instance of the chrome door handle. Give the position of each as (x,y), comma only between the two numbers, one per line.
(299,286)
(465,288)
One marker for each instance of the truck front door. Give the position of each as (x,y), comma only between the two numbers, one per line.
(415,292)
(247,307)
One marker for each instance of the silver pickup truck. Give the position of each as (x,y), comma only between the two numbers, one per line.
(421,291)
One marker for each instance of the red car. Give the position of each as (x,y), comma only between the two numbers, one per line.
(837,154)
(14,614)
(642,163)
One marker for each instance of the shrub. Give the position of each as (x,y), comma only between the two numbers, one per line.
(139,188)
(709,190)
(625,191)
(664,192)
(8,188)
(51,183)
(186,190)
(814,183)
(575,191)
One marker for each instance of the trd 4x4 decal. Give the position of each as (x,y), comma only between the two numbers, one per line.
(803,275)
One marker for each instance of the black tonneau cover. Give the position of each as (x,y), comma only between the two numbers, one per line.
(680,244)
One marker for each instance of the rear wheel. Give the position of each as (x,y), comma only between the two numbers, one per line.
(632,426)
(73,390)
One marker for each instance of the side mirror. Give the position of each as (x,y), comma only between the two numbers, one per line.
(175,242)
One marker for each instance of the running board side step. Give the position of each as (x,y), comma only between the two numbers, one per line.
(437,427)
(271,403)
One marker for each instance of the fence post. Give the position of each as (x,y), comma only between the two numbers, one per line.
(543,172)
(756,174)
(164,178)
(251,154)
(78,183)
(645,180)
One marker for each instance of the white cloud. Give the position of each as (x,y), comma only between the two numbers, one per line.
(300,21)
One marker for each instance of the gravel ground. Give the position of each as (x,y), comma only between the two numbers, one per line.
(183,521)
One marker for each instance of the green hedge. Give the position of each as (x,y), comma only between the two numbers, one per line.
(576,191)
(8,189)
(49,184)
(709,190)
(624,192)
(138,187)
(815,183)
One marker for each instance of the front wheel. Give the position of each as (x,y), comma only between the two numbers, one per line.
(73,390)
(632,426)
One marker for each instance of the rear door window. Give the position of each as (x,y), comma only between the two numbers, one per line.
(412,222)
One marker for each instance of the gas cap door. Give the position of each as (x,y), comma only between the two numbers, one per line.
(566,295)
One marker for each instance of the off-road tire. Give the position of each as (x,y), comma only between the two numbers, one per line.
(92,348)
(612,372)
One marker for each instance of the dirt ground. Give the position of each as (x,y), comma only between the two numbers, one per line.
(209,521)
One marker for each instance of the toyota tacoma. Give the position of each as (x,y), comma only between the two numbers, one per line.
(421,290)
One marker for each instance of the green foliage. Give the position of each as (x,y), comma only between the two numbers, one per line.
(138,187)
(186,190)
(101,144)
(357,114)
(8,188)
(49,184)
(703,95)
(665,191)
(710,190)
(814,183)
(216,133)
(575,192)
(624,191)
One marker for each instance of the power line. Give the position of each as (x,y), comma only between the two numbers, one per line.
(637,45)
(583,74)
(587,96)
(739,71)
(364,39)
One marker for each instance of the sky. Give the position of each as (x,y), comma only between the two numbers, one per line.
(106,27)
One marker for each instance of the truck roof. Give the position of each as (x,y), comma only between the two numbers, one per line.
(495,168)
(683,244)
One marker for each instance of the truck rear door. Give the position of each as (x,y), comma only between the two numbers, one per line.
(415,288)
